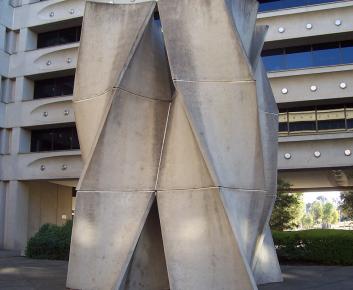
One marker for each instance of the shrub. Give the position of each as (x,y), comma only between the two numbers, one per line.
(50,242)
(327,247)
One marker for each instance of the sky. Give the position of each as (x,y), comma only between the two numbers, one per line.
(330,195)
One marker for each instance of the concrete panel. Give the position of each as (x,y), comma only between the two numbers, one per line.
(106,229)
(302,154)
(247,212)
(148,269)
(3,186)
(183,165)
(25,114)
(48,203)
(38,13)
(16,216)
(313,179)
(124,24)
(133,134)
(64,207)
(201,47)
(244,14)
(225,120)
(298,85)
(267,269)
(294,20)
(89,114)
(257,45)
(34,208)
(148,72)
(265,98)
(201,251)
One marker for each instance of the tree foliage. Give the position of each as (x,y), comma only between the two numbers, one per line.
(347,204)
(307,221)
(288,210)
(317,211)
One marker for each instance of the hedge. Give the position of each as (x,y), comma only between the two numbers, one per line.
(51,242)
(327,247)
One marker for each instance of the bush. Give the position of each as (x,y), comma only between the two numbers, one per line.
(50,242)
(327,247)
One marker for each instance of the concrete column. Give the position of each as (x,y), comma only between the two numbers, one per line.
(27,40)
(11,41)
(3,186)
(8,90)
(5,135)
(20,141)
(16,216)
(2,37)
(24,88)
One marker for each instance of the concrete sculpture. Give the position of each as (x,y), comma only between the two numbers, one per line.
(177,125)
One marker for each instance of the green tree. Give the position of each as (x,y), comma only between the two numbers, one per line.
(347,204)
(307,221)
(334,217)
(316,211)
(288,208)
(327,212)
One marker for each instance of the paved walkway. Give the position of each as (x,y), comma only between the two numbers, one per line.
(314,278)
(17,273)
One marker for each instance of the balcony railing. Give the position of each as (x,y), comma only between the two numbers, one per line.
(270,5)
(315,55)
(316,120)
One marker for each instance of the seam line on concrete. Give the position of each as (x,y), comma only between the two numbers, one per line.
(179,189)
(214,81)
(95,96)
(162,147)
(141,96)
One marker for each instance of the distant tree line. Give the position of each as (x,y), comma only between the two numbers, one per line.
(290,212)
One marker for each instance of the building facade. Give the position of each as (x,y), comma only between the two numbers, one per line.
(308,54)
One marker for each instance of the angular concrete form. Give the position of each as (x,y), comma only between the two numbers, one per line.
(178,127)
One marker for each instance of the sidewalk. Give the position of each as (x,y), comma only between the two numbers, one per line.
(18,273)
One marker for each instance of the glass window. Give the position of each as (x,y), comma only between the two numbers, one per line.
(58,37)
(302,120)
(274,59)
(326,54)
(41,140)
(54,139)
(331,118)
(55,87)
(349,116)
(268,5)
(298,57)
(322,54)
(347,51)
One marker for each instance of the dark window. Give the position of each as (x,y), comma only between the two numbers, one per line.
(302,119)
(302,126)
(268,5)
(54,139)
(327,125)
(283,127)
(57,87)
(58,37)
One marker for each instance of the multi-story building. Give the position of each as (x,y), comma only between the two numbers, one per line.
(308,53)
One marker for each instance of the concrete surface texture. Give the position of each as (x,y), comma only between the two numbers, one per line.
(179,131)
